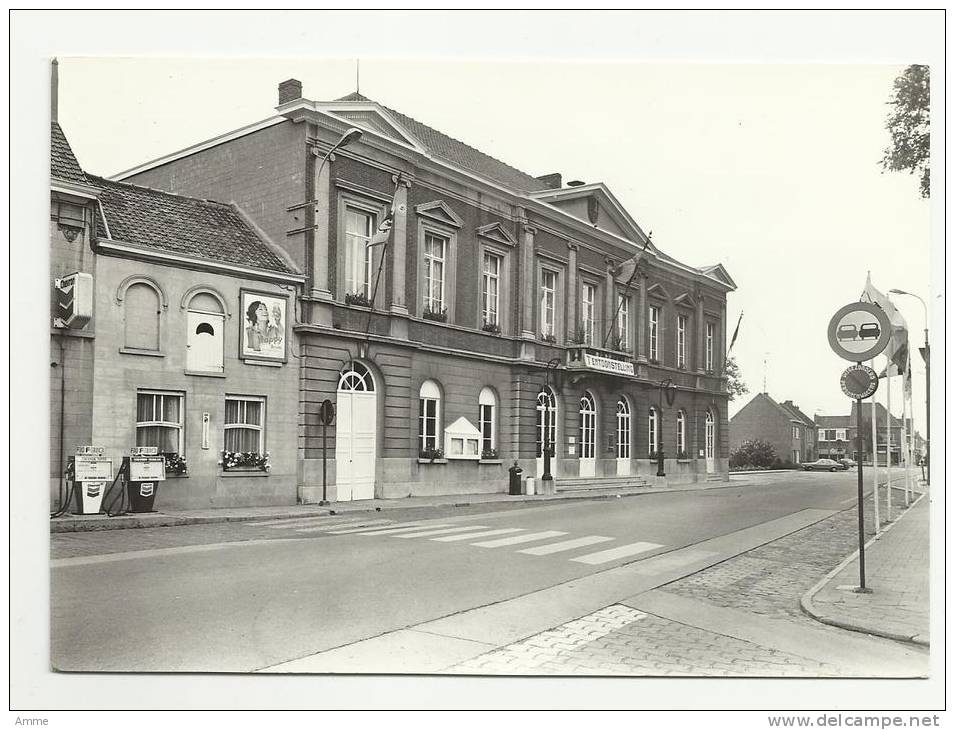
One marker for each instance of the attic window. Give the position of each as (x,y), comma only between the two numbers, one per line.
(462,440)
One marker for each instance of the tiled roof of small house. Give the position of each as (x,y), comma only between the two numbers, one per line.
(833,422)
(182,225)
(63,164)
(458,153)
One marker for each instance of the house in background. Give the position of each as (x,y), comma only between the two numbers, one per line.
(790,431)
(836,435)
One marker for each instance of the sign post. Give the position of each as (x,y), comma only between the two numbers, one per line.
(327,416)
(858,332)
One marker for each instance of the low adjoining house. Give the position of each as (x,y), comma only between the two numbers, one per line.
(790,431)
(836,435)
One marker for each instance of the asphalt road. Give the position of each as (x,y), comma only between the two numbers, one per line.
(238,597)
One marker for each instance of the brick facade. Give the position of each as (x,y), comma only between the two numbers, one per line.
(270,173)
(791,435)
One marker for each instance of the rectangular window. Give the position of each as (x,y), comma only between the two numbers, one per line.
(681,341)
(796,432)
(841,434)
(359,227)
(548,302)
(244,425)
(487,427)
(159,419)
(830,434)
(654,325)
(491,289)
(710,336)
(435,258)
(588,312)
(623,322)
(428,423)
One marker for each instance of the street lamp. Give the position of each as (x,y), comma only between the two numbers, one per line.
(666,386)
(545,442)
(351,135)
(926,356)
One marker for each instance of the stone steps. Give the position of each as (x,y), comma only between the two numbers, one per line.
(602,483)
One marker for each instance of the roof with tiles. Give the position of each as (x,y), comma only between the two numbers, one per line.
(458,153)
(63,164)
(798,414)
(833,422)
(188,226)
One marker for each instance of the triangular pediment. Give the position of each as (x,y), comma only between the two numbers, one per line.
(658,290)
(685,299)
(497,233)
(595,205)
(375,121)
(719,272)
(463,427)
(438,210)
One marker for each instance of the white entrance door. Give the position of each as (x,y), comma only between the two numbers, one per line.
(356,416)
(204,343)
(710,444)
(623,437)
(588,436)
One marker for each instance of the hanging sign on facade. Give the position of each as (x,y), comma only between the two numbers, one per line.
(859,381)
(607,364)
(859,331)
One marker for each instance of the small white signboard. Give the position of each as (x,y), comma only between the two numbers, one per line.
(93,469)
(147,468)
(607,364)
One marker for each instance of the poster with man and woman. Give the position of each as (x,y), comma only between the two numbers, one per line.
(263,326)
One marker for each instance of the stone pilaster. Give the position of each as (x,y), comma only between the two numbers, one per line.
(399,247)
(641,339)
(573,318)
(610,305)
(526,286)
(700,336)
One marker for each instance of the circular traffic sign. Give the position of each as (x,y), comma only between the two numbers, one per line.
(327,412)
(859,381)
(859,331)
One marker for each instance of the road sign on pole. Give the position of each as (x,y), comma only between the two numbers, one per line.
(859,381)
(326,415)
(859,331)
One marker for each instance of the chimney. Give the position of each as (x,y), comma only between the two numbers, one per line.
(289,90)
(552,181)
(54,89)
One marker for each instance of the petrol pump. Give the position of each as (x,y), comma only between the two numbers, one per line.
(89,471)
(145,468)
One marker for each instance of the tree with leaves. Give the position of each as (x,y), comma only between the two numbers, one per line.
(908,125)
(735,386)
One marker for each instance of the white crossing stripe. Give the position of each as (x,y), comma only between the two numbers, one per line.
(403,528)
(519,539)
(471,536)
(294,521)
(605,556)
(556,547)
(446,531)
(337,530)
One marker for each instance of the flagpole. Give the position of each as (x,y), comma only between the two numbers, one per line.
(905,444)
(888,443)
(875,462)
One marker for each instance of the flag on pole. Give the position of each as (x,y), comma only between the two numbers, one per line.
(735,334)
(383,232)
(897,350)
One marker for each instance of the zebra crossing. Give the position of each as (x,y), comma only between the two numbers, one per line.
(559,543)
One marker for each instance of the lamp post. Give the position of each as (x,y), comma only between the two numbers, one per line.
(665,385)
(927,357)
(350,135)
(546,445)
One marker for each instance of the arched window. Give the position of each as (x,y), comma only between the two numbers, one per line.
(356,379)
(205,334)
(710,435)
(429,401)
(487,407)
(652,430)
(546,413)
(623,428)
(588,426)
(680,434)
(141,310)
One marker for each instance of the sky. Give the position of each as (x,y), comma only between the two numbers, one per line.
(772,170)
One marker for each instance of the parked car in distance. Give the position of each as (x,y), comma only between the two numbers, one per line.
(848,463)
(824,465)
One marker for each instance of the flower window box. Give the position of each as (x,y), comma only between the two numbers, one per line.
(245,461)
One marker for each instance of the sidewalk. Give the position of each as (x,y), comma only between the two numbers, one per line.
(87,523)
(896,564)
